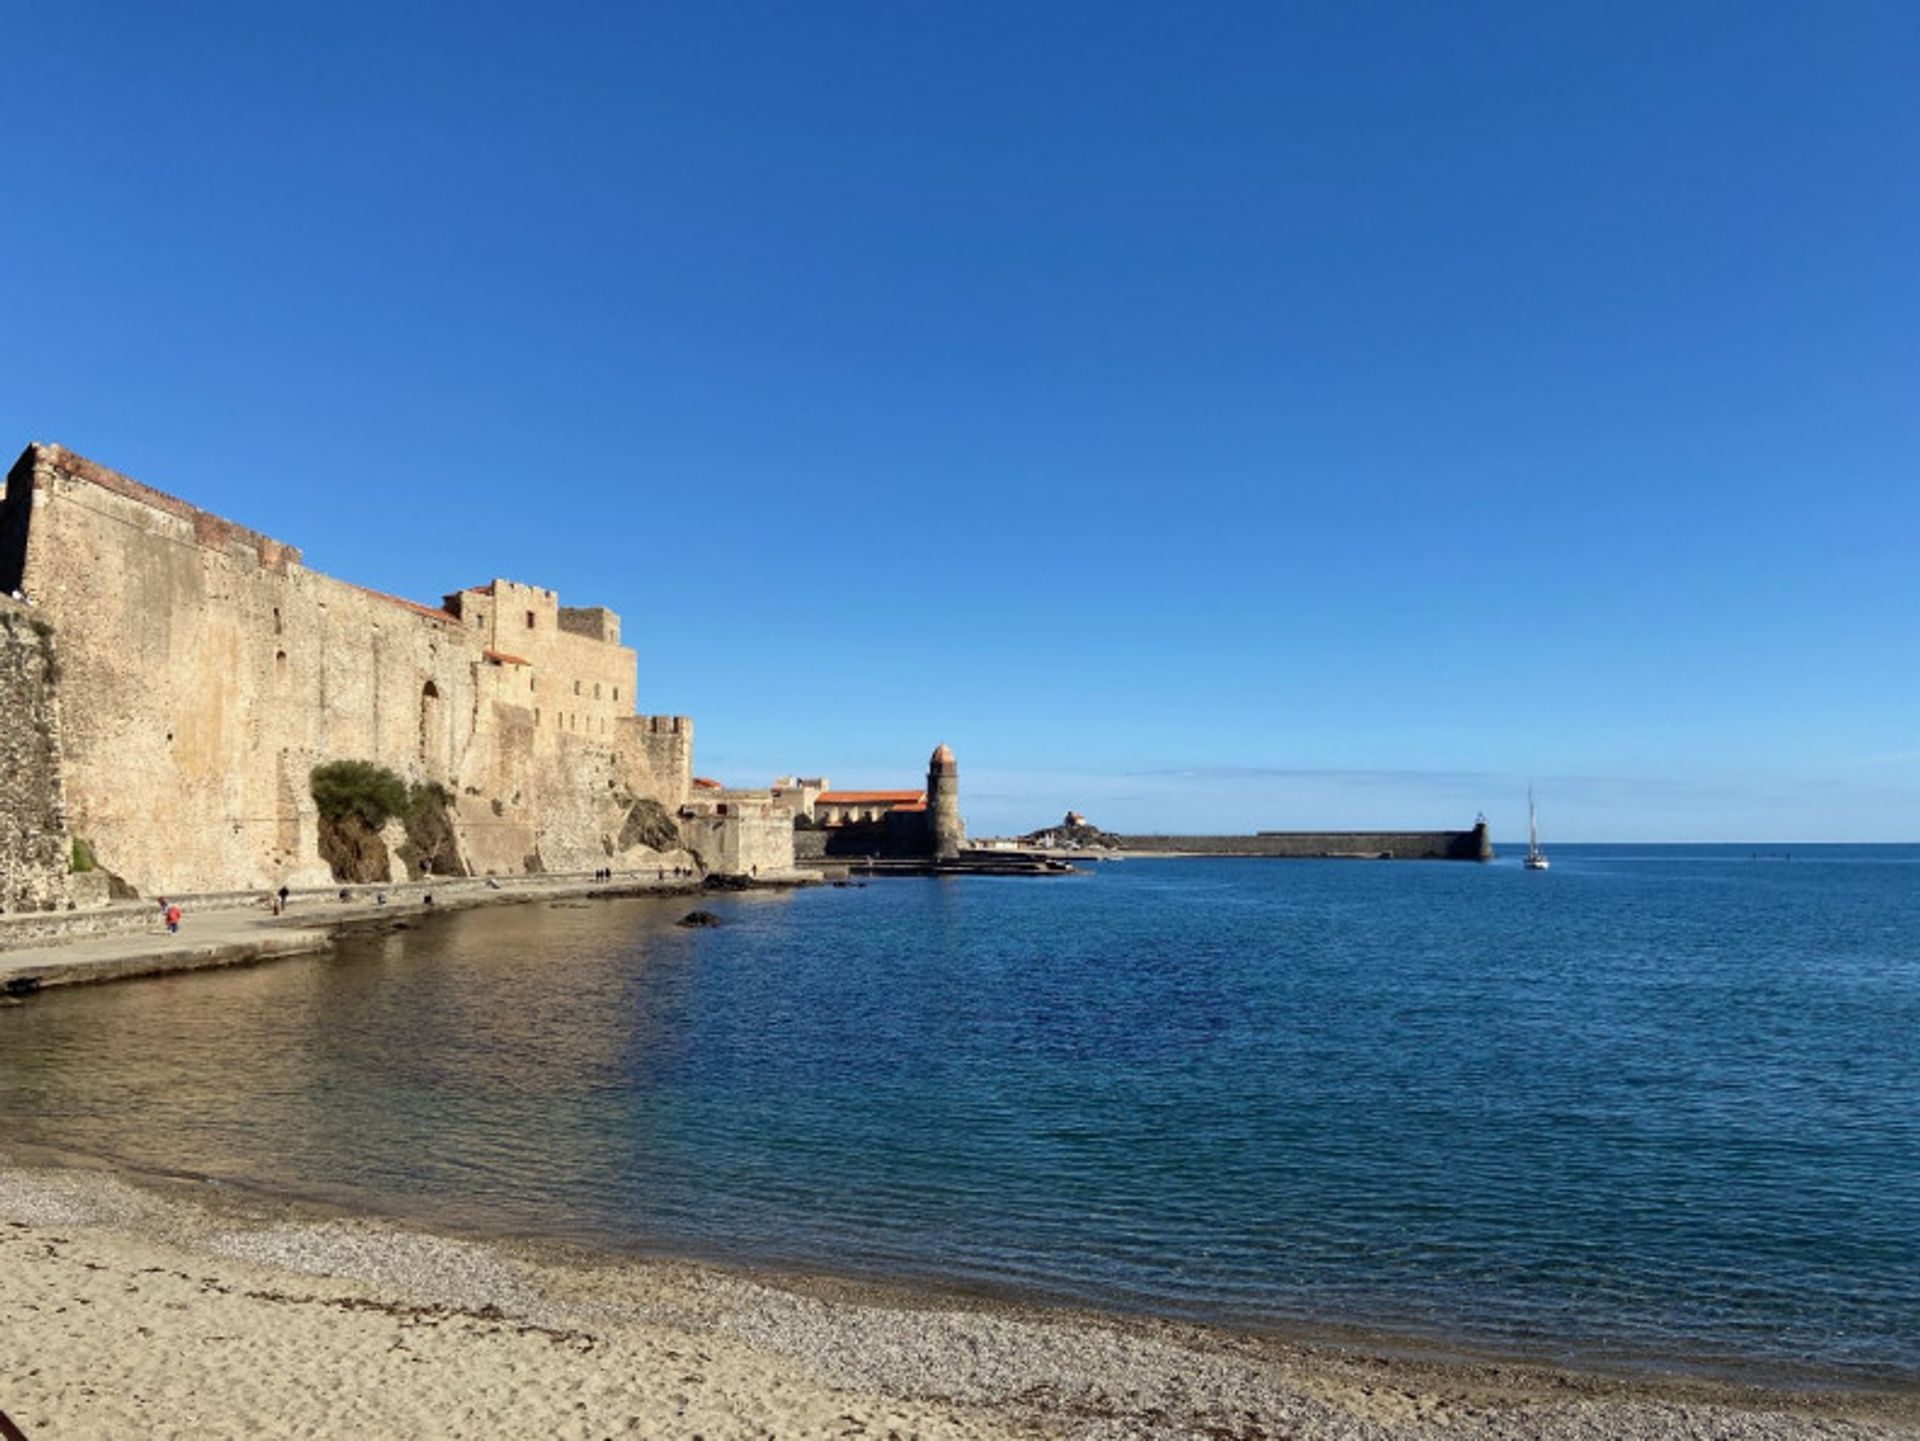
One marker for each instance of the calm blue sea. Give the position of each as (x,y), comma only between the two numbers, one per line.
(1659,1103)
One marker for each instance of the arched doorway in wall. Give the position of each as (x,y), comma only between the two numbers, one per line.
(433,729)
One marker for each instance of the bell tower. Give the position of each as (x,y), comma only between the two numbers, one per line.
(944,827)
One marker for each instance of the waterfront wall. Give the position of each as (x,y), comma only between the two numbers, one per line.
(899,835)
(745,838)
(204,672)
(35,845)
(854,842)
(1471,845)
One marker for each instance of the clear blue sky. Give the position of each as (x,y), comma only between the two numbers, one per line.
(1207,416)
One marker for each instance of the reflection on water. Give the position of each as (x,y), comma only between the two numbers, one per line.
(1650,1102)
(468,1059)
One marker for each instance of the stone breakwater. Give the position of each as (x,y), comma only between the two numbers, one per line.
(1468,845)
(157,1313)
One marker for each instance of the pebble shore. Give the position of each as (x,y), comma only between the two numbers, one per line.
(135,1309)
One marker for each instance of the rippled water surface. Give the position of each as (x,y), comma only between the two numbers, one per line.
(1661,1102)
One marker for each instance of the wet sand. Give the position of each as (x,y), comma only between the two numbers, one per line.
(169,1310)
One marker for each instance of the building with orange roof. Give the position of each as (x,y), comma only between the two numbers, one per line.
(899,824)
(840,808)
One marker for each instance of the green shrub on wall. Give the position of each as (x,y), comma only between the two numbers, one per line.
(428,793)
(84,859)
(373,793)
(360,788)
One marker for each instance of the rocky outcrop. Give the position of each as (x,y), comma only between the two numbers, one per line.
(431,836)
(1074,833)
(354,851)
(648,824)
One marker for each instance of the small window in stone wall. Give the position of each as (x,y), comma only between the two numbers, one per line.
(529,620)
(576,687)
(596,690)
(536,715)
(277,627)
(616,692)
(279,661)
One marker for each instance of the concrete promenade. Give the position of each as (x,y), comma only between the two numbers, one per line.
(225,931)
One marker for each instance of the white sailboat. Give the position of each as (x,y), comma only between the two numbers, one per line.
(1536,858)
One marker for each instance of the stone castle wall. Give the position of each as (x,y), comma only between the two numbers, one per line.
(752,838)
(35,846)
(206,671)
(659,748)
(899,835)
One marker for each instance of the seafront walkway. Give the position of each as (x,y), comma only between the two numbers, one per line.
(130,938)
(208,938)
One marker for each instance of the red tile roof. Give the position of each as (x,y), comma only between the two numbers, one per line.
(500,657)
(432,612)
(706,784)
(869,798)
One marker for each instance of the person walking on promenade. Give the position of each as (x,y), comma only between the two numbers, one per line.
(173,920)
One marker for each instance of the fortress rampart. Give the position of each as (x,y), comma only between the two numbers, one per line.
(204,671)
(34,843)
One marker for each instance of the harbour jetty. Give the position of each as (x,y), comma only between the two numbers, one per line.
(1077,836)
(1467,845)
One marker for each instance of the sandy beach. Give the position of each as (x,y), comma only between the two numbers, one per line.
(156,1311)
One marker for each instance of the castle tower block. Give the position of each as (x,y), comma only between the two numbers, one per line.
(945,828)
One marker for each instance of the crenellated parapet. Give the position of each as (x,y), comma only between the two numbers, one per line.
(660,748)
(45,470)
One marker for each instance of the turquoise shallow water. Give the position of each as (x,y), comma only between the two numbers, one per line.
(1658,1103)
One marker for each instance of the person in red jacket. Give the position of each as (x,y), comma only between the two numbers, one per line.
(173,920)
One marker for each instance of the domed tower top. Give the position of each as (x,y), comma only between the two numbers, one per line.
(943,757)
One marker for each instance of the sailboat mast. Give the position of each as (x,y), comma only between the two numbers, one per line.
(1535,861)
